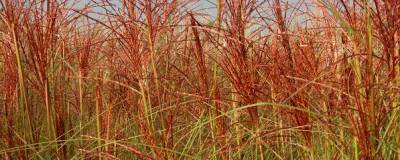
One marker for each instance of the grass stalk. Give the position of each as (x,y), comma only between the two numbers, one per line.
(22,89)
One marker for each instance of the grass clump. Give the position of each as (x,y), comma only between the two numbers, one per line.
(169,79)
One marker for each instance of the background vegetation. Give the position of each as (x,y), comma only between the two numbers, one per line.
(164,79)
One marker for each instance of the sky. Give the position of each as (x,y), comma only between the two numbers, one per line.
(207,8)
